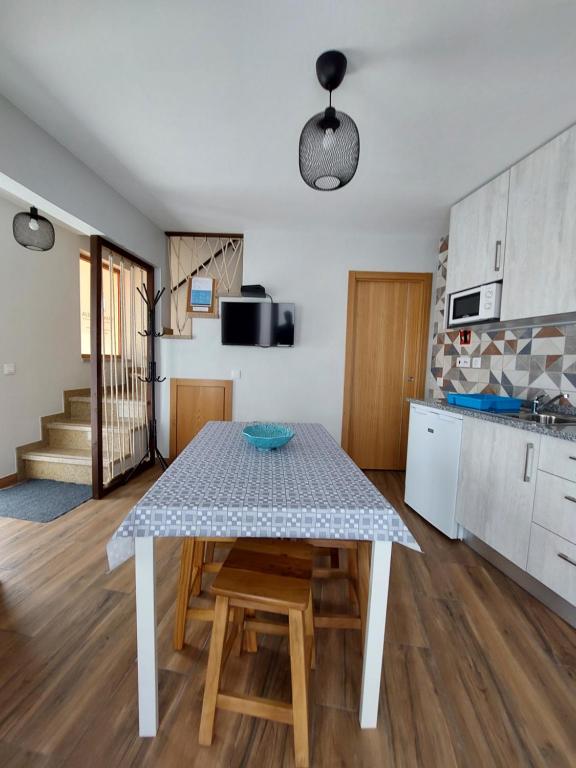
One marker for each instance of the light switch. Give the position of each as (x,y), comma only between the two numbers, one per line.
(440,381)
(235,374)
(9,369)
(463,362)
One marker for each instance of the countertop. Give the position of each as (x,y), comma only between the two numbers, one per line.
(564,432)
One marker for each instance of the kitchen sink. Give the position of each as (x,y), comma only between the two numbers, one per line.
(546,419)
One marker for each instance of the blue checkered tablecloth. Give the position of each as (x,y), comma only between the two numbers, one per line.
(222,486)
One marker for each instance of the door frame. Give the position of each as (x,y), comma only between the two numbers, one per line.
(97,244)
(227,384)
(355,277)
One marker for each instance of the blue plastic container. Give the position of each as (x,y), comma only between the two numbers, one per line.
(493,403)
(265,437)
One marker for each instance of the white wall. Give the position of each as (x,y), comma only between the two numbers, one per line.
(304,383)
(39,332)
(31,157)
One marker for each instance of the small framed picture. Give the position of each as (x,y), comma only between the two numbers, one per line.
(201,299)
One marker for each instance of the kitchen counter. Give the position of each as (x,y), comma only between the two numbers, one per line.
(563,432)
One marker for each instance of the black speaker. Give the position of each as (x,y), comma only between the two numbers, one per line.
(253,291)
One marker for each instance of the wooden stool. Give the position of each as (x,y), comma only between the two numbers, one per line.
(272,576)
(196,559)
(350,573)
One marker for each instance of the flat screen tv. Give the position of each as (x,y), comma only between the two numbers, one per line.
(257,323)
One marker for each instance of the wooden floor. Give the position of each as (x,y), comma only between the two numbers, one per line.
(477,673)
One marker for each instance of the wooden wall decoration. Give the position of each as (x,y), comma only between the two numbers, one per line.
(203,255)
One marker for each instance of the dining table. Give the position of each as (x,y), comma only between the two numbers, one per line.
(220,486)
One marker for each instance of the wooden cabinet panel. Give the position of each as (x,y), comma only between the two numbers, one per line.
(193,402)
(498,466)
(558,457)
(552,561)
(555,505)
(478,236)
(541,238)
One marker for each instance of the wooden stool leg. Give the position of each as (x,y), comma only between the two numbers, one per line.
(209,552)
(250,644)
(364,553)
(183,595)
(197,563)
(309,629)
(239,614)
(352,556)
(299,688)
(213,671)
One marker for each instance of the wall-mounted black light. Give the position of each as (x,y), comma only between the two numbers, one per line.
(33,231)
(329,142)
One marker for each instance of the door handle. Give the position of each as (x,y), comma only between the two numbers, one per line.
(570,498)
(562,556)
(410,378)
(497,251)
(528,462)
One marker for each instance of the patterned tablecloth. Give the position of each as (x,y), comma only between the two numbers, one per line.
(222,486)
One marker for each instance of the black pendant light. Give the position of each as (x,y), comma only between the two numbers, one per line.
(33,231)
(329,142)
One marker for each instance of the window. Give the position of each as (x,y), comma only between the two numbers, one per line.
(110,309)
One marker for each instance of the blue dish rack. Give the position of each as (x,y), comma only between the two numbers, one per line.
(494,403)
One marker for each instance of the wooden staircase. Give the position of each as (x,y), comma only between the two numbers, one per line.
(65,451)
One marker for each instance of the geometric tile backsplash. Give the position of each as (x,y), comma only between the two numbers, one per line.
(520,362)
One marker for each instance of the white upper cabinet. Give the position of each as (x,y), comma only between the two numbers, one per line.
(540,252)
(478,236)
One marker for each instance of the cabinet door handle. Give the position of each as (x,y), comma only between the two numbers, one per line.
(570,498)
(572,457)
(497,251)
(528,462)
(562,556)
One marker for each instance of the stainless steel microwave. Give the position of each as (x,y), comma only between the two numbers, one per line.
(476,305)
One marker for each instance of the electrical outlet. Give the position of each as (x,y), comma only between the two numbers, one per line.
(439,381)
(463,362)
(476,362)
(235,374)
(9,369)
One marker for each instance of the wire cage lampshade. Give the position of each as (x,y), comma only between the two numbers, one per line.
(329,142)
(33,231)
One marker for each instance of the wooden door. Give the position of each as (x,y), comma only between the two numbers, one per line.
(478,236)
(498,467)
(386,350)
(193,402)
(541,238)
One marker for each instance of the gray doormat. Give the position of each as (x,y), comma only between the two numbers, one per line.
(42,500)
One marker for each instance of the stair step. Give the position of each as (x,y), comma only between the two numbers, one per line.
(57,455)
(60,455)
(80,407)
(77,433)
(82,425)
(71,465)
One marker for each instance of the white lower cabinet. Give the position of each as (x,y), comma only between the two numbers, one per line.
(552,560)
(555,505)
(498,467)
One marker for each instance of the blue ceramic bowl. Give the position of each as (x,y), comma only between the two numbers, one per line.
(265,437)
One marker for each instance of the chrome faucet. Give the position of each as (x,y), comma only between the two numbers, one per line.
(538,405)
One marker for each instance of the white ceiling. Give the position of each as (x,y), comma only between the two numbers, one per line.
(192,109)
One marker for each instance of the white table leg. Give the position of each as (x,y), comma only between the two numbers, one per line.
(375,628)
(146,636)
